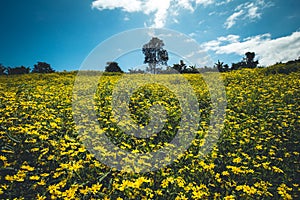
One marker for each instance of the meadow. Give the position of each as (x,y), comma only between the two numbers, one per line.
(42,155)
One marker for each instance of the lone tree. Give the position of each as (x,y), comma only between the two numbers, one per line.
(247,62)
(42,67)
(155,54)
(113,67)
(220,65)
(250,63)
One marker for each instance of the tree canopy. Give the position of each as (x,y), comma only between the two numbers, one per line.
(247,62)
(155,54)
(42,67)
(113,67)
(250,63)
(18,70)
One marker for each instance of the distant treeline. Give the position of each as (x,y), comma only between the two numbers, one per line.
(40,67)
(182,68)
(247,62)
(112,68)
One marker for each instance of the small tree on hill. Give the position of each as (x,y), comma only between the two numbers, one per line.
(42,67)
(155,54)
(247,62)
(250,63)
(113,67)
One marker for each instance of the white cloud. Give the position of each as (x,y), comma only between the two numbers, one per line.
(162,12)
(231,20)
(251,11)
(223,2)
(186,4)
(229,38)
(148,7)
(158,10)
(126,5)
(205,2)
(193,34)
(268,50)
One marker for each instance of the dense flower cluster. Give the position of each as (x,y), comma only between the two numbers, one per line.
(257,156)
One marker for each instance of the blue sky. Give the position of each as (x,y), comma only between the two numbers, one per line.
(64,32)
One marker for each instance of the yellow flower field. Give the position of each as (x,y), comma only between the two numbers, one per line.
(257,155)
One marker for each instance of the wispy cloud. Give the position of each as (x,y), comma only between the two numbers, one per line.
(186,4)
(231,20)
(158,10)
(205,2)
(249,10)
(128,5)
(223,2)
(126,18)
(268,50)
(149,7)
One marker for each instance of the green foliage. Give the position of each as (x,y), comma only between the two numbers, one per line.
(250,63)
(18,70)
(182,68)
(283,68)
(113,67)
(42,67)
(155,54)
(247,62)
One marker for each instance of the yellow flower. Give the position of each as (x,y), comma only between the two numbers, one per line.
(259,147)
(34,178)
(225,173)
(218,179)
(84,191)
(217,195)
(95,188)
(181,196)
(27,167)
(9,178)
(125,183)
(159,192)
(140,181)
(53,188)
(180,182)
(44,174)
(283,191)
(39,197)
(200,192)
(3,158)
(237,160)
(43,137)
(230,197)
(277,170)
(42,182)
(247,189)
